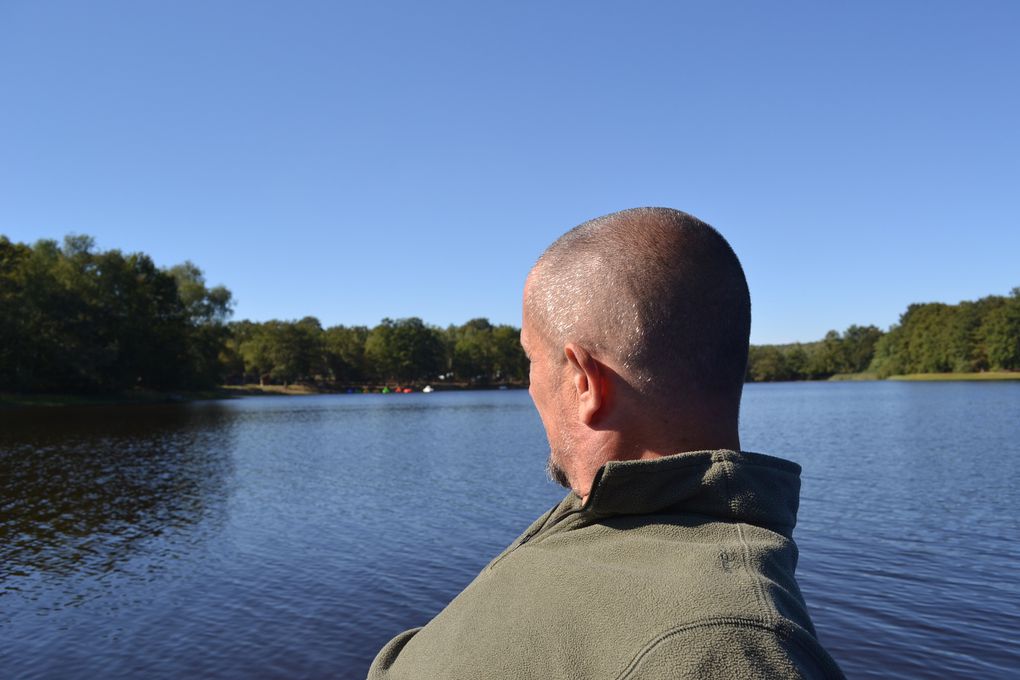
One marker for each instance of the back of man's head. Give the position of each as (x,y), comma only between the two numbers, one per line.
(655,292)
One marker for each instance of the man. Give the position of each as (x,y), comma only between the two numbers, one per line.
(672,556)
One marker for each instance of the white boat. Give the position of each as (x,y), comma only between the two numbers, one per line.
(427,388)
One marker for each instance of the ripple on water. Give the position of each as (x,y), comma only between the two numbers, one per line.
(293,537)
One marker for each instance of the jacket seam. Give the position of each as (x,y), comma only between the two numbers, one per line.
(785,633)
(756,585)
(745,549)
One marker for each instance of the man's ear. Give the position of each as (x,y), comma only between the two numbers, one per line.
(589,379)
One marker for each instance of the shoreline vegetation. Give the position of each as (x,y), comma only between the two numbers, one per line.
(946,377)
(80,325)
(16,400)
(923,377)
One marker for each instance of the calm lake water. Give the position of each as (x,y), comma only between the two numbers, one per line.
(293,536)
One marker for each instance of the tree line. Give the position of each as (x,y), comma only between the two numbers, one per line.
(77,319)
(972,336)
(402,351)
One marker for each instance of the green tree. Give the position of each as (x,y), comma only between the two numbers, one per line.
(49,311)
(140,325)
(890,357)
(1000,334)
(767,363)
(291,351)
(203,305)
(405,350)
(795,360)
(509,361)
(283,351)
(345,353)
(859,347)
(206,311)
(826,358)
(80,319)
(474,351)
(928,330)
(14,335)
(255,348)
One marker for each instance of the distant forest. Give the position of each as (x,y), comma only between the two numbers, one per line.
(76,319)
(933,337)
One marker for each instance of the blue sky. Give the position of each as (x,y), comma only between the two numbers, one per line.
(359,160)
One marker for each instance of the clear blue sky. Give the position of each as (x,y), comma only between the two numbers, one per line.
(359,160)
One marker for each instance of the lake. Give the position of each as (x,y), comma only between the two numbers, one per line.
(287,537)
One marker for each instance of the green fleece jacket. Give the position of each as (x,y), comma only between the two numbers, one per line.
(679,567)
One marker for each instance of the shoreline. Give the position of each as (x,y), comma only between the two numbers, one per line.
(12,400)
(303,389)
(984,376)
(943,377)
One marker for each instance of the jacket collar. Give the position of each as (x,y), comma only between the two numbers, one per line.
(729,485)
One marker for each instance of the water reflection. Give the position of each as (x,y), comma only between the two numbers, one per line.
(86,491)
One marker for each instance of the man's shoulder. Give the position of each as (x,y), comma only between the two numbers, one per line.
(705,566)
(585,597)
(707,649)
(733,648)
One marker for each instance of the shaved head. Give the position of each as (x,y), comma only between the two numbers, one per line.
(656,293)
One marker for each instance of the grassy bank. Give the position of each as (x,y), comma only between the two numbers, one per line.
(254,389)
(921,377)
(10,400)
(937,377)
(13,400)
(853,377)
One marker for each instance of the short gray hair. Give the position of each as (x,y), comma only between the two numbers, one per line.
(655,289)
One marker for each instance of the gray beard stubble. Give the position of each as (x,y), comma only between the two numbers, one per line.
(556,473)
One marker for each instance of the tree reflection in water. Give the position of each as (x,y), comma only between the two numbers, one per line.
(93,492)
